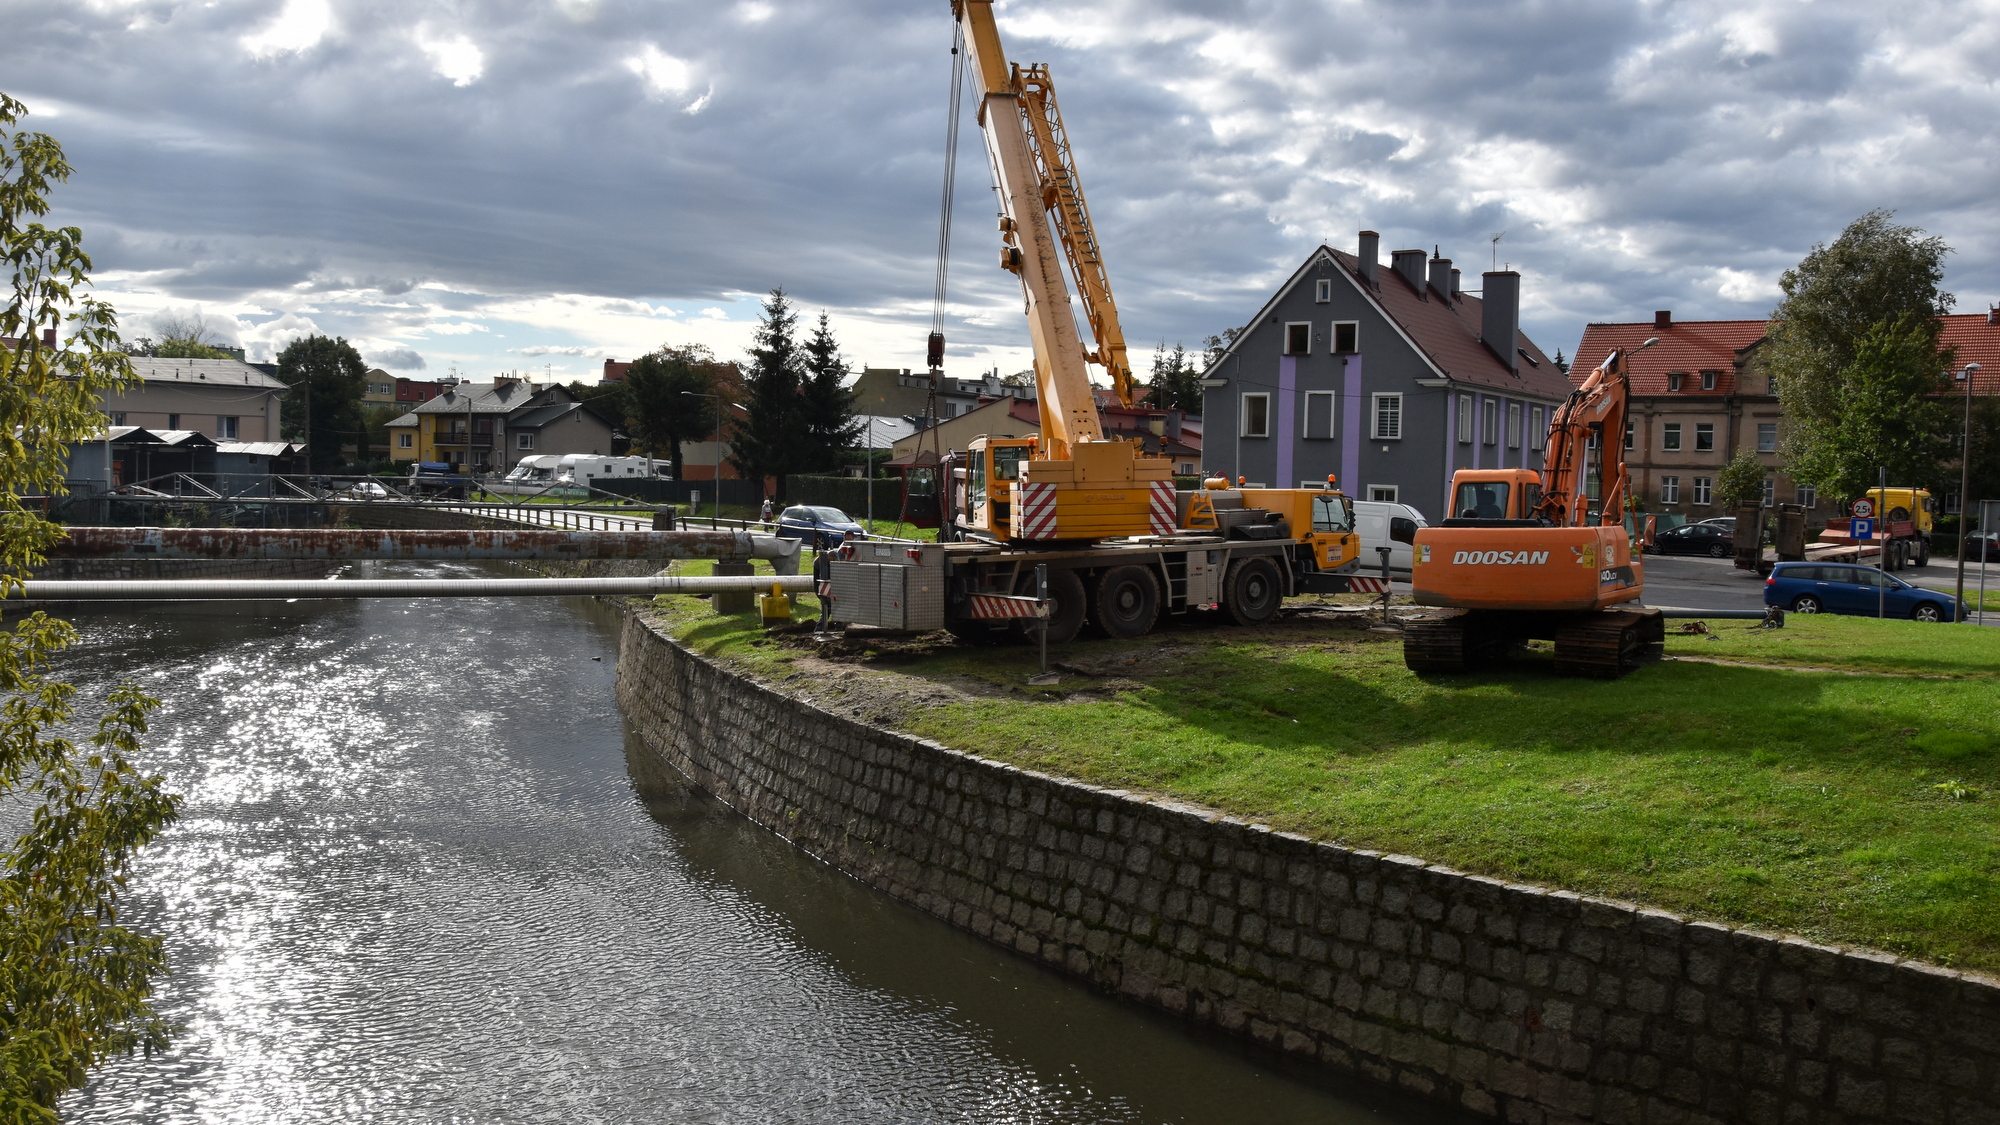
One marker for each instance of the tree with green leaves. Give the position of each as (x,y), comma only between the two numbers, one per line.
(1741,479)
(1176,382)
(323,408)
(1212,347)
(77,983)
(662,407)
(1877,282)
(826,405)
(1886,413)
(765,439)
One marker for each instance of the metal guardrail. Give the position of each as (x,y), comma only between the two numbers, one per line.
(279,589)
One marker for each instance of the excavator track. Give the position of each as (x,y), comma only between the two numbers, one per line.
(1454,644)
(1607,645)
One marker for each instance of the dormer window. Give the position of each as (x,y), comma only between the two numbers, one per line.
(1708,380)
(1673,381)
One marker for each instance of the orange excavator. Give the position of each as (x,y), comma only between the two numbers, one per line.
(1525,555)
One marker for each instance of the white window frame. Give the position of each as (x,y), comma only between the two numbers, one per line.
(1708,380)
(1674,380)
(1538,430)
(1770,491)
(1670,437)
(1761,447)
(1465,419)
(1670,489)
(118,417)
(1808,496)
(1704,491)
(1376,430)
(1333,339)
(1513,425)
(1332,404)
(1383,494)
(1287,341)
(524,439)
(1710,435)
(1489,422)
(1243,415)
(404,440)
(1323,290)
(227,426)
(1631,433)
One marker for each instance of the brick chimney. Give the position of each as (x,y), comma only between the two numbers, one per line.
(1410,263)
(1500,316)
(1371,255)
(1663,319)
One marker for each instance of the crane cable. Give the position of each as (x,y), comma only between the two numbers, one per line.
(935,346)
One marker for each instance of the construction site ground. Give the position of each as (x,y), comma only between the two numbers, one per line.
(1838,778)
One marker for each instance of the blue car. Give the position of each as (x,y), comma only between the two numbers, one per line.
(1858,590)
(819,528)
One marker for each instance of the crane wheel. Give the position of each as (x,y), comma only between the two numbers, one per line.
(1607,645)
(1252,591)
(1128,602)
(1067,603)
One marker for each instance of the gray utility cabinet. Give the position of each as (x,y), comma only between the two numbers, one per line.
(885,587)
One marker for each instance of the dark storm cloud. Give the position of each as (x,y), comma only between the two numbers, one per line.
(397,359)
(1637,155)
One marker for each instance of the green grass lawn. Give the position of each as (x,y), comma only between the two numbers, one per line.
(1859,806)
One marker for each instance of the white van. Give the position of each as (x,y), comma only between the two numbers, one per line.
(1371,522)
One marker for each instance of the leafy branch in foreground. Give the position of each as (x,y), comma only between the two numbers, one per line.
(75,984)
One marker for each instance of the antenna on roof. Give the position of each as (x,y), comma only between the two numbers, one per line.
(1496,249)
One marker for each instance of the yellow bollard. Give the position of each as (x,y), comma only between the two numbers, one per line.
(775,607)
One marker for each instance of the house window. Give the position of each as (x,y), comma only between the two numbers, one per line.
(1767,437)
(1513,425)
(225,428)
(403,441)
(1489,423)
(1670,490)
(1708,380)
(1465,419)
(1537,432)
(1670,438)
(173,421)
(1629,433)
(1298,339)
(1673,380)
(1323,291)
(1704,437)
(1808,496)
(1388,417)
(1257,415)
(1382,493)
(524,441)
(1770,490)
(118,418)
(1346,336)
(1704,490)
(1319,415)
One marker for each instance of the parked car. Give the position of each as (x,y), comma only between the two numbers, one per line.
(1695,539)
(1982,546)
(1371,522)
(820,528)
(1857,590)
(1726,523)
(365,490)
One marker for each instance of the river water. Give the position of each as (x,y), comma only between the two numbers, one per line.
(413,883)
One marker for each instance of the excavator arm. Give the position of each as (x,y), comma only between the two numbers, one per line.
(1600,405)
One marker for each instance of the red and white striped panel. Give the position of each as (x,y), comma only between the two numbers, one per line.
(1359,585)
(823,589)
(1165,508)
(999,607)
(1038,511)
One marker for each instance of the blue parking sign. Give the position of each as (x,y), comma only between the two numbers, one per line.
(1861,529)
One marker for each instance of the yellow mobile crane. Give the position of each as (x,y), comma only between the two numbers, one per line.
(1071,525)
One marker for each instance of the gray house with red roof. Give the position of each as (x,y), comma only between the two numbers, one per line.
(1388,376)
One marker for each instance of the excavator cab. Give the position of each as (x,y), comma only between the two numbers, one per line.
(1494,494)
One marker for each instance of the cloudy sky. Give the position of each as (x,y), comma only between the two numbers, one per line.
(538,184)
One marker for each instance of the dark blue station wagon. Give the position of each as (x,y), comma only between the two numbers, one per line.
(1845,588)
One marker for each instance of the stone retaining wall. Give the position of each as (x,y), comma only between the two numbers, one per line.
(1514,1002)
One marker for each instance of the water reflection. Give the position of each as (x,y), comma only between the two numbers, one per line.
(413,883)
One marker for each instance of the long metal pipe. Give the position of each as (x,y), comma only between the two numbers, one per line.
(290,543)
(281,589)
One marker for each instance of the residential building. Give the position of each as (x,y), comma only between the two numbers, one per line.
(1002,417)
(1700,394)
(384,389)
(895,392)
(614,371)
(1387,377)
(491,426)
(223,399)
(1161,433)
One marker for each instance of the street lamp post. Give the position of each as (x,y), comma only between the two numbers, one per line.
(718,447)
(869,459)
(1965,488)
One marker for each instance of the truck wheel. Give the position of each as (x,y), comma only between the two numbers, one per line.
(1806,603)
(1066,609)
(1128,602)
(1923,552)
(1252,591)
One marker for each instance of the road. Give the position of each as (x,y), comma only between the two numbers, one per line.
(1698,583)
